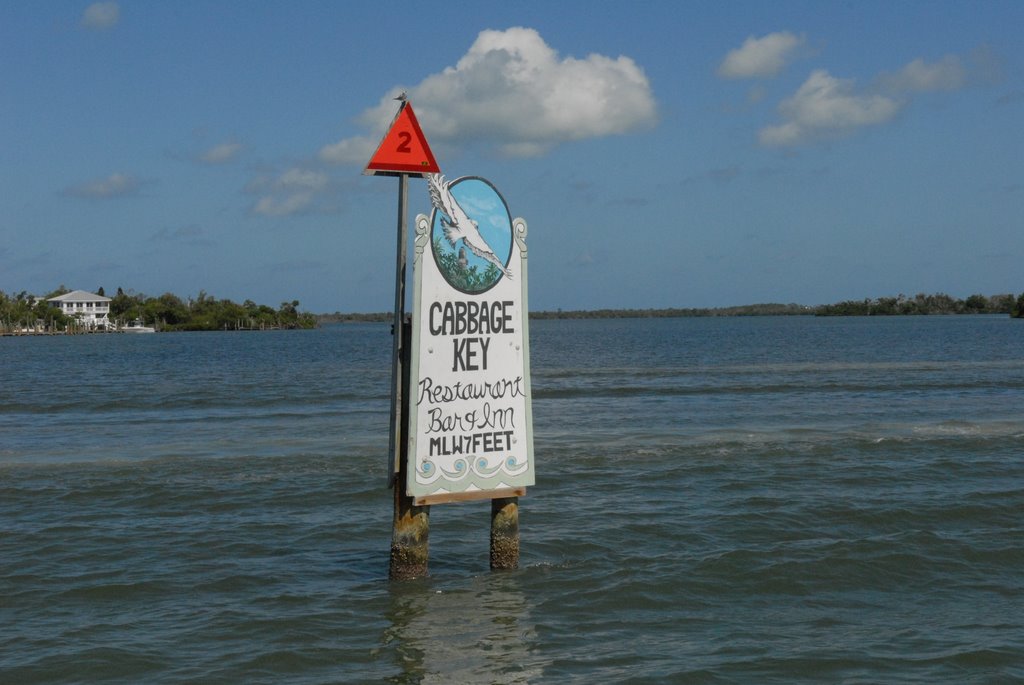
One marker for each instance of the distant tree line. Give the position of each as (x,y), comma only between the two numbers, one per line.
(372,317)
(25,311)
(766,309)
(168,312)
(206,313)
(901,305)
(939,303)
(747,310)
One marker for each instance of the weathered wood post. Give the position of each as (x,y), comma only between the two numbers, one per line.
(410,538)
(505,533)
(410,528)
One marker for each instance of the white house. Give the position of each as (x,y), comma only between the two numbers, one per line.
(89,308)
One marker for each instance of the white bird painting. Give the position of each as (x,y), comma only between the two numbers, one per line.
(457,225)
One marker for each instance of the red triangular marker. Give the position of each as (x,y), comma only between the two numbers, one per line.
(404,149)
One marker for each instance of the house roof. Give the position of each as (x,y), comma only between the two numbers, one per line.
(79,296)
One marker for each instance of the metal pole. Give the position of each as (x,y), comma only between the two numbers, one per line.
(397,432)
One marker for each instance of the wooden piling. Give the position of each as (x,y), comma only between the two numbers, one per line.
(504,533)
(410,537)
(410,528)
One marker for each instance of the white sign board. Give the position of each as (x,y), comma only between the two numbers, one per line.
(471,425)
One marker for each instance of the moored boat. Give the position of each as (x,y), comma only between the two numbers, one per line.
(138,326)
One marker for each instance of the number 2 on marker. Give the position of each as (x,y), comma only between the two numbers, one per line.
(403,147)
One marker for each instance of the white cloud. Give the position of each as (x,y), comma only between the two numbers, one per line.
(115,185)
(302,179)
(350,150)
(101,16)
(293,192)
(511,90)
(294,203)
(761,57)
(827,107)
(219,154)
(948,74)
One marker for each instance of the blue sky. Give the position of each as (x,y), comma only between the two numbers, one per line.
(693,154)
